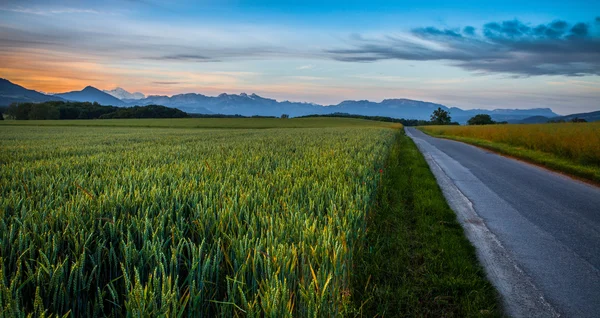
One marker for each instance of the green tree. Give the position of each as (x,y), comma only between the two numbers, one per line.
(43,111)
(19,111)
(481,119)
(441,117)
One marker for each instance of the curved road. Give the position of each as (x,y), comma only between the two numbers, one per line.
(537,233)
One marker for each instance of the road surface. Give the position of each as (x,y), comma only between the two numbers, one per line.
(537,233)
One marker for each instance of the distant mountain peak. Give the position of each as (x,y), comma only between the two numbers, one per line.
(92,94)
(90,89)
(122,94)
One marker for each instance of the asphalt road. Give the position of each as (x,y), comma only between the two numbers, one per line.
(536,232)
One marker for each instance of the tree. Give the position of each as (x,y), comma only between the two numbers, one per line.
(19,111)
(43,111)
(481,119)
(441,117)
(285,116)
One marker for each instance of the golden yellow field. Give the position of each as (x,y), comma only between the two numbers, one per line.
(579,142)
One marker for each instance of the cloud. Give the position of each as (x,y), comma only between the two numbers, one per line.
(469,30)
(305,67)
(185,57)
(513,47)
(580,29)
(50,11)
(147,42)
(166,83)
(431,31)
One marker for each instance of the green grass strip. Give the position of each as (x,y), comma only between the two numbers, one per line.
(416,261)
(548,160)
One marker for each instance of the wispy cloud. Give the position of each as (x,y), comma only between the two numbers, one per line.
(305,67)
(166,83)
(50,11)
(307,78)
(513,47)
(185,57)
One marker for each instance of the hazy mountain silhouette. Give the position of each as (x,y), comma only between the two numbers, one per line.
(253,104)
(13,93)
(249,105)
(500,115)
(401,108)
(92,94)
(591,116)
(231,104)
(124,95)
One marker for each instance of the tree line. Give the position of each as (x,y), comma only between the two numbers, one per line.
(404,122)
(227,116)
(87,110)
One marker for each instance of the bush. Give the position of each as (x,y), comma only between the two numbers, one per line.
(481,119)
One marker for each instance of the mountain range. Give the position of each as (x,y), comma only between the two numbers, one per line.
(252,104)
(591,116)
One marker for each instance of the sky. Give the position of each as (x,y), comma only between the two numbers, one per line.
(467,54)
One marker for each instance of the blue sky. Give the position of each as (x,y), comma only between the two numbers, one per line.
(469,54)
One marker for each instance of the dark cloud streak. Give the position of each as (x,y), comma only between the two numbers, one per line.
(469,30)
(185,57)
(555,48)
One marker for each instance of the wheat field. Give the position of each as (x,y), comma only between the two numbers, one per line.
(120,221)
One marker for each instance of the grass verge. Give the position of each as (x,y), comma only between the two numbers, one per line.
(553,162)
(416,260)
